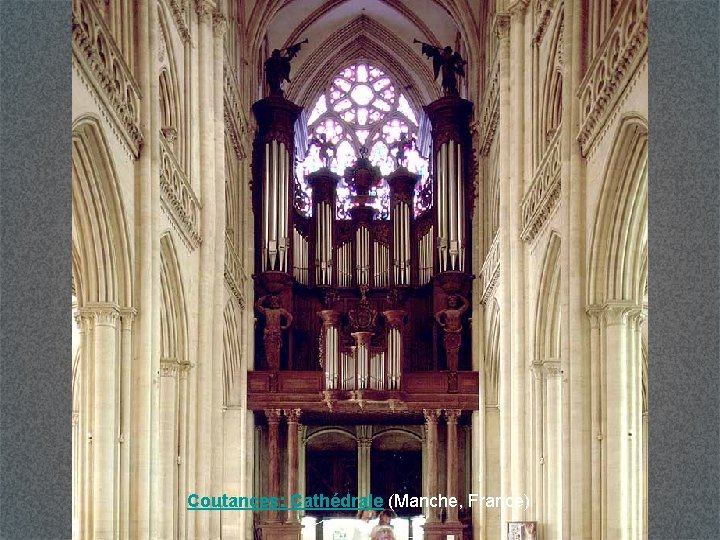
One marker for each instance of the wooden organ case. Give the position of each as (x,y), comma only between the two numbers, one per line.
(363,320)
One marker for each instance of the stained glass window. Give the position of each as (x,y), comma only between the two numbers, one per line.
(362,107)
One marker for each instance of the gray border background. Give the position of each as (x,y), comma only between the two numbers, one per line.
(684,326)
(35,270)
(35,404)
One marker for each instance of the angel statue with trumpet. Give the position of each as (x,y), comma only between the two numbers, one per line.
(451,64)
(277,67)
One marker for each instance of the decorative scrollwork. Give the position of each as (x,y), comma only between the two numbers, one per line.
(178,198)
(544,193)
(97,53)
(623,49)
(490,272)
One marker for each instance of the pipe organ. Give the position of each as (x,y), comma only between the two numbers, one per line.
(364,292)
(361,292)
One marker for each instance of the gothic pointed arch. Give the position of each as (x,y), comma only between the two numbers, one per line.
(232,353)
(551,100)
(363,38)
(173,317)
(620,232)
(100,241)
(492,356)
(171,110)
(547,312)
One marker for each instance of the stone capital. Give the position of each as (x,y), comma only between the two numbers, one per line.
(431,416)
(127,316)
(168,367)
(220,23)
(101,314)
(204,10)
(293,415)
(518,8)
(552,369)
(273,416)
(501,25)
(452,415)
(536,368)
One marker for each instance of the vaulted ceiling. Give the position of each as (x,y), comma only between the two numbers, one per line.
(379,31)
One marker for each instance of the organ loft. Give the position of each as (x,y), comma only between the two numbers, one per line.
(362,288)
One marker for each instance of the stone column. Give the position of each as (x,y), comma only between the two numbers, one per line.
(553,463)
(302,434)
(182,456)
(206,285)
(617,406)
(575,356)
(538,455)
(293,417)
(104,425)
(144,493)
(515,273)
(219,26)
(431,420)
(453,464)
(364,445)
(233,463)
(273,420)
(126,317)
(502,29)
(168,446)
(84,449)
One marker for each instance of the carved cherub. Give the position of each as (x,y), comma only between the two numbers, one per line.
(450,319)
(274,315)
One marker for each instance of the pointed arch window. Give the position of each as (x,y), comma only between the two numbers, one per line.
(362,107)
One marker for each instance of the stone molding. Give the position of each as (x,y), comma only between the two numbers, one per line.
(543,196)
(220,23)
(543,15)
(169,367)
(490,110)
(452,415)
(490,272)
(101,314)
(111,79)
(501,25)
(235,120)
(235,275)
(178,9)
(552,369)
(178,198)
(615,313)
(623,49)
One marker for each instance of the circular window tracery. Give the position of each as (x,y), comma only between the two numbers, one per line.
(362,107)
